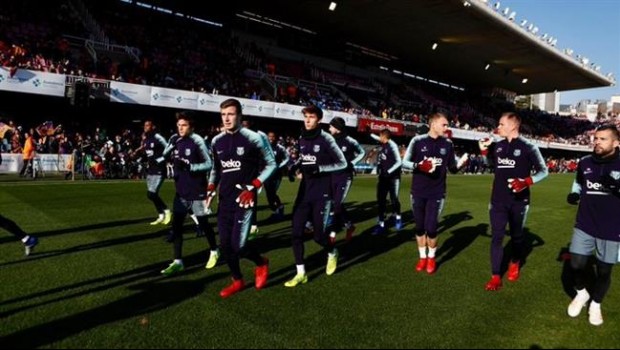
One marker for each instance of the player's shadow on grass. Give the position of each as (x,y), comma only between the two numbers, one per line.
(193,263)
(361,211)
(451,220)
(568,276)
(532,241)
(151,296)
(459,240)
(103,225)
(133,238)
(366,246)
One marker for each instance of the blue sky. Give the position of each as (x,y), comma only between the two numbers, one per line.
(589,27)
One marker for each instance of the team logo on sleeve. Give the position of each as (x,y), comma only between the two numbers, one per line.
(188,152)
(443,151)
(517,152)
(240,151)
(317,148)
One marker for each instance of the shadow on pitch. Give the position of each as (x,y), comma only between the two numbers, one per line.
(193,263)
(532,241)
(151,296)
(133,238)
(459,240)
(567,277)
(93,227)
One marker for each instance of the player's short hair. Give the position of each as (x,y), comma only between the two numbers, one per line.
(386,132)
(313,109)
(610,127)
(231,102)
(513,116)
(436,116)
(188,116)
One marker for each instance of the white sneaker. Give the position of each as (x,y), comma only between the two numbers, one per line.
(580,300)
(596,316)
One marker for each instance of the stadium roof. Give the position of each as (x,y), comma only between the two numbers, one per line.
(468,38)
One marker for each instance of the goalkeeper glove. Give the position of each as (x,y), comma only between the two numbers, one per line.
(247,197)
(484,144)
(518,185)
(211,190)
(182,164)
(573,198)
(428,165)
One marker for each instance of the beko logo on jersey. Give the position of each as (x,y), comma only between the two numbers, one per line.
(231,164)
(593,185)
(308,158)
(438,161)
(506,161)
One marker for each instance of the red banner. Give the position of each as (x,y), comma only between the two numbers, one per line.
(375,126)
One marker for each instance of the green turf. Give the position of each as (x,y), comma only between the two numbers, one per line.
(94,280)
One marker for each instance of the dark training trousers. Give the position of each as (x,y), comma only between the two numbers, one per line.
(384,186)
(513,214)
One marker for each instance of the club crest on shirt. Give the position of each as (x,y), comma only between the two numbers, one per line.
(424,149)
(517,152)
(615,175)
(344,148)
(443,151)
(317,148)
(188,152)
(152,144)
(240,151)
(499,150)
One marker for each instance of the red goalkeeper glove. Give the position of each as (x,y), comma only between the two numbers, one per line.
(247,197)
(428,165)
(518,185)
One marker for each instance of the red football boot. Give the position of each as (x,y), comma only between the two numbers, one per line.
(431,265)
(261,273)
(513,271)
(494,284)
(235,287)
(421,264)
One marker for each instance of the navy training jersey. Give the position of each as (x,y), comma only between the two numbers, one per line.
(389,161)
(599,210)
(352,150)
(191,184)
(239,158)
(515,159)
(423,147)
(281,155)
(323,151)
(154,145)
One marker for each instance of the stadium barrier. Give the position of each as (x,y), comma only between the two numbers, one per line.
(32,82)
(12,163)
(49,84)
